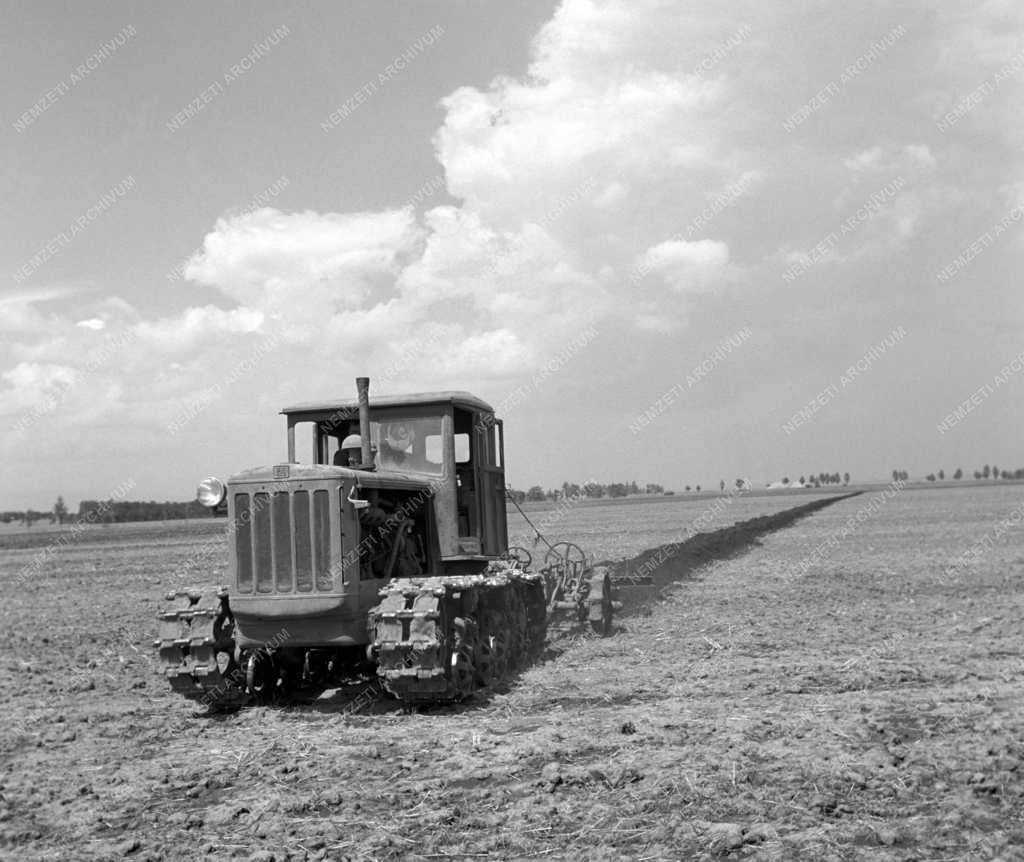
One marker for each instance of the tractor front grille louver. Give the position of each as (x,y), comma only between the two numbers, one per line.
(283,542)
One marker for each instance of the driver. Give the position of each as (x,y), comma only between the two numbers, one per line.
(350,454)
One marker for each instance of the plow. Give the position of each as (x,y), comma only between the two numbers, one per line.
(576,592)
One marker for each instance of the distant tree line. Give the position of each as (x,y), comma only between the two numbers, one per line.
(589,490)
(109,512)
(986,472)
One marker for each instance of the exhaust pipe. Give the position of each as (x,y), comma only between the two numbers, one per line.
(363,390)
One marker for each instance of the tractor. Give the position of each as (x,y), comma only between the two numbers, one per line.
(382,551)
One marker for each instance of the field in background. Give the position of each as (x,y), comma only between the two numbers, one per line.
(616,529)
(850,688)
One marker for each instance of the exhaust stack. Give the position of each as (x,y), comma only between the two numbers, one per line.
(363,390)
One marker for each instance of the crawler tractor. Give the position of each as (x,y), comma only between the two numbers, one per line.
(385,552)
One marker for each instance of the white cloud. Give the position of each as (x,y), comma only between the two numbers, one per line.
(36,387)
(686,265)
(290,262)
(867,160)
(610,185)
(20,309)
(195,324)
(921,156)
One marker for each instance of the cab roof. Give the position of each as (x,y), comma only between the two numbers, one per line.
(457,398)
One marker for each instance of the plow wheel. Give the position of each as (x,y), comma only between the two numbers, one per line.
(565,552)
(599,601)
(520,556)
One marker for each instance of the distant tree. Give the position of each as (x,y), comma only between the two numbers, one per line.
(930,477)
(618,489)
(721,484)
(535,494)
(697,489)
(985,472)
(518,496)
(739,484)
(895,475)
(785,480)
(651,488)
(977,474)
(959,474)
(802,481)
(593,489)
(634,488)
(571,490)
(942,475)
(904,475)
(995,472)
(846,478)
(60,511)
(687,487)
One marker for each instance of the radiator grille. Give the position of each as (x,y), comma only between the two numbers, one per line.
(283,541)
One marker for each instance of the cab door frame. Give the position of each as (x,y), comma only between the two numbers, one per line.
(489,446)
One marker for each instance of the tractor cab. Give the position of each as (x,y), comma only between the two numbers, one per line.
(448,442)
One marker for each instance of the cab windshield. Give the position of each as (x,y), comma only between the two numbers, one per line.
(404,443)
(410,442)
(408,445)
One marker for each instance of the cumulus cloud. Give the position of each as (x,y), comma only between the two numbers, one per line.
(639,164)
(37,387)
(270,258)
(181,332)
(686,264)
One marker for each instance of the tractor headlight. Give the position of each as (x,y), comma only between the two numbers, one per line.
(211,492)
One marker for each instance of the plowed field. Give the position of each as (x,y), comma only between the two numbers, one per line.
(850,686)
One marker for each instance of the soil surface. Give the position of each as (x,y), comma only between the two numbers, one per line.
(850,685)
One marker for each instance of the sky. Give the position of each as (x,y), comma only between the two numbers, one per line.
(670,242)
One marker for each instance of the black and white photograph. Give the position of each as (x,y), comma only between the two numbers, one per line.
(558,429)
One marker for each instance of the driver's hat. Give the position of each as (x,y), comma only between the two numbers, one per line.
(353,441)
